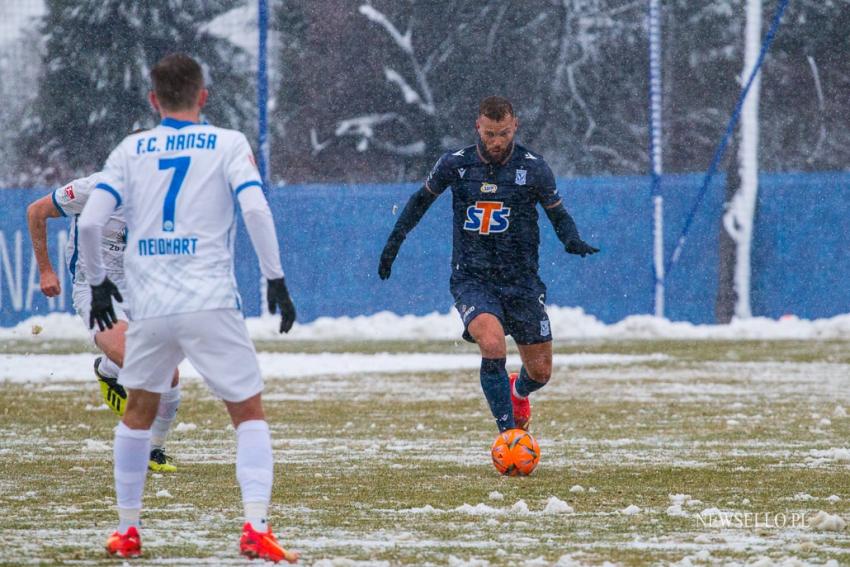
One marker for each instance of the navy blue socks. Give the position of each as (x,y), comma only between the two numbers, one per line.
(525,385)
(497,390)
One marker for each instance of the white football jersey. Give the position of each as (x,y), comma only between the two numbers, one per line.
(69,200)
(177,184)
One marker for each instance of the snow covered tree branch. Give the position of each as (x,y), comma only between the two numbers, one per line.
(403,40)
(425,100)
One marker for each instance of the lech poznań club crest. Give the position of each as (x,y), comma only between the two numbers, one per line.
(520,176)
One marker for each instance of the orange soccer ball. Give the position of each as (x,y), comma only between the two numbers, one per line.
(515,453)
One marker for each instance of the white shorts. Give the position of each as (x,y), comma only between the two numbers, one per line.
(82,304)
(215,342)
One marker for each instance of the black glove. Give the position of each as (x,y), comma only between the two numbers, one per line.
(388,257)
(101,305)
(278,295)
(580,248)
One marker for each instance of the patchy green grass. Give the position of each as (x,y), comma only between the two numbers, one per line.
(394,468)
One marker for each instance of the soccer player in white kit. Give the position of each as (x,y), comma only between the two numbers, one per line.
(178,184)
(68,201)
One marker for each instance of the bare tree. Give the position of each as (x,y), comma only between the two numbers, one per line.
(376,89)
(410,124)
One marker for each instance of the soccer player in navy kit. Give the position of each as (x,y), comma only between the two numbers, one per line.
(496,186)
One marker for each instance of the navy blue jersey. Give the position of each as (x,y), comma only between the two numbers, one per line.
(495,210)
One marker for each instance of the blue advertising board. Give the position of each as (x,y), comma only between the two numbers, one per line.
(331,238)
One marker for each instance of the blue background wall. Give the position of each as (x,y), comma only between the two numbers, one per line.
(332,236)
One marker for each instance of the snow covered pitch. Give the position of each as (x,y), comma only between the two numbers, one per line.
(653,451)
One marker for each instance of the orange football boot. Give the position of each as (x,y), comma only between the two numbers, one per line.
(263,545)
(125,545)
(522,407)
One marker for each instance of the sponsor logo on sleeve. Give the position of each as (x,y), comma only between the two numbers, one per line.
(69,192)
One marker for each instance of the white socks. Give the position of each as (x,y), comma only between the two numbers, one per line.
(108,368)
(131,453)
(168,404)
(255,470)
(256,514)
(128,517)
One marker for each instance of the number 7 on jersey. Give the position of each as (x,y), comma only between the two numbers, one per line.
(180,166)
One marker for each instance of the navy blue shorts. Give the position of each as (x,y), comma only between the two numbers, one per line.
(519,307)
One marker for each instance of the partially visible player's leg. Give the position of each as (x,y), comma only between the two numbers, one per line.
(254,463)
(246,410)
(489,335)
(130,462)
(528,323)
(224,355)
(481,312)
(107,368)
(534,374)
(152,354)
(488,332)
(112,342)
(536,367)
(255,472)
(169,402)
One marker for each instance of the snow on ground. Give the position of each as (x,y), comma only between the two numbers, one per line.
(557,506)
(651,434)
(826,521)
(78,367)
(567,323)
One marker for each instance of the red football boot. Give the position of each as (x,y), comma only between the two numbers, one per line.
(263,545)
(125,545)
(522,407)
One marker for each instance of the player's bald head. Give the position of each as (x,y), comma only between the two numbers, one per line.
(177,81)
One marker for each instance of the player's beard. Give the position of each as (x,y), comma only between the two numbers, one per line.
(493,157)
